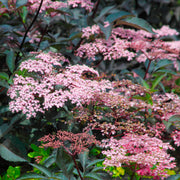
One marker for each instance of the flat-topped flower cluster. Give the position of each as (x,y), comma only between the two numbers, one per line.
(130,44)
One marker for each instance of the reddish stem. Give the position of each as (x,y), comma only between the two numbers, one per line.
(77,167)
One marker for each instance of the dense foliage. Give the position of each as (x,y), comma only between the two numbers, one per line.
(89,90)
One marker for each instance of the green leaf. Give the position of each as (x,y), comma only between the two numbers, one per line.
(162,63)
(20,3)
(5,128)
(104,12)
(34,147)
(24,13)
(93,176)
(8,155)
(3,83)
(94,162)
(136,23)
(5,2)
(157,81)
(174,118)
(117,15)
(13,172)
(106,30)
(4,75)
(10,61)
(43,169)
(97,168)
(65,162)
(177,81)
(83,157)
(144,83)
(174,177)
(75,35)
(31,176)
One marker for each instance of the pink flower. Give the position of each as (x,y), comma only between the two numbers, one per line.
(149,154)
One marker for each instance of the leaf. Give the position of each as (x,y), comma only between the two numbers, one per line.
(117,16)
(83,157)
(106,30)
(94,162)
(97,168)
(103,12)
(144,83)
(162,63)
(5,128)
(177,81)
(174,177)
(93,176)
(174,118)
(10,61)
(3,83)
(75,35)
(31,176)
(43,169)
(136,23)
(65,162)
(5,2)
(8,155)
(20,3)
(4,75)
(157,81)
(24,14)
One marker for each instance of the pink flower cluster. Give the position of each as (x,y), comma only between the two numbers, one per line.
(50,85)
(87,4)
(176,137)
(131,44)
(147,153)
(72,143)
(50,5)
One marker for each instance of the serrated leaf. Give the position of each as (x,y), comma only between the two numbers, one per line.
(94,162)
(20,3)
(5,2)
(136,23)
(10,61)
(83,157)
(31,176)
(4,75)
(8,155)
(157,81)
(43,169)
(117,15)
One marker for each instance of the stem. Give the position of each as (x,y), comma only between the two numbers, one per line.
(77,167)
(95,8)
(43,33)
(28,29)
(147,69)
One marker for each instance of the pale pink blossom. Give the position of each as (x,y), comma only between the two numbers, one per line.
(148,153)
